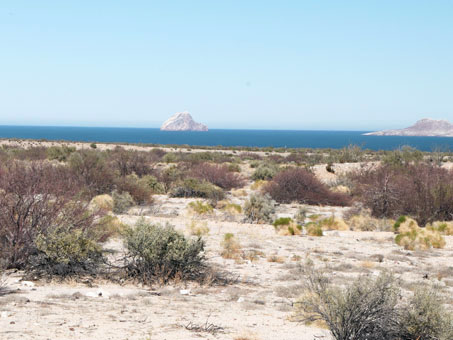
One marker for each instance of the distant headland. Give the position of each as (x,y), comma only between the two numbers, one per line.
(424,127)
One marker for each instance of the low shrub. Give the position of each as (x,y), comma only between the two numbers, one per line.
(122,202)
(332,223)
(218,175)
(160,253)
(371,308)
(136,187)
(200,208)
(153,183)
(103,203)
(192,187)
(60,153)
(365,309)
(425,317)
(286,226)
(412,237)
(444,228)
(231,248)
(422,191)
(197,228)
(300,185)
(313,229)
(265,172)
(259,209)
(65,252)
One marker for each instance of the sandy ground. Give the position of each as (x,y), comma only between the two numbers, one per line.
(258,306)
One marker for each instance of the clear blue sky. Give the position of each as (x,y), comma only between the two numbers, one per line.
(233,64)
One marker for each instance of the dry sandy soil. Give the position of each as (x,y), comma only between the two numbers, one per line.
(258,305)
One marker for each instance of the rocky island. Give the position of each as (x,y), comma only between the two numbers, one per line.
(423,127)
(182,121)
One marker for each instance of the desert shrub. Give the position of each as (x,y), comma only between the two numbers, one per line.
(425,317)
(265,172)
(350,154)
(64,251)
(197,228)
(332,223)
(365,222)
(231,248)
(259,209)
(234,167)
(91,167)
(313,229)
(93,145)
(157,252)
(122,202)
(170,176)
(365,309)
(444,228)
(422,191)
(286,226)
(201,208)
(153,183)
(412,237)
(102,202)
(218,175)
(35,199)
(229,207)
(403,156)
(128,162)
(300,185)
(192,187)
(136,187)
(257,185)
(60,153)
(301,215)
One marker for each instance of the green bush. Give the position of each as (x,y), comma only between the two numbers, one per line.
(153,183)
(425,317)
(122,202)
(195,188)
(259,209)
(201,208)
(160,253)
(65,252)
(265,172)
(60,153)
(282,221)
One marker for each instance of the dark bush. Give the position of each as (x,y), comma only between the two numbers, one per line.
(161,253)
(127,162)
(300,185)
(91,167)
(192,187)
(422,191)
(60,153)
(36,198)
(218,175)
(139,189)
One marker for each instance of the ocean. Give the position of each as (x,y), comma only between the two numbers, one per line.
(215,137)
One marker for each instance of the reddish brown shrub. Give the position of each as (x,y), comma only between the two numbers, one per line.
(422,191)
(127,162)
(300,185)
(218,175)
(140,191)
(94,172)
(35,198)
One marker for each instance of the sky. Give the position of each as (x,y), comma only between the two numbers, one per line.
(305,65)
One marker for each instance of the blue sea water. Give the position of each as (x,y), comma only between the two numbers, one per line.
(260,138)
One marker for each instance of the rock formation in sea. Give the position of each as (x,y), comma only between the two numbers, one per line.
(424,127)
(182,121)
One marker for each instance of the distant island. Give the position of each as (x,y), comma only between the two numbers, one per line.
(424,127)
(182,121)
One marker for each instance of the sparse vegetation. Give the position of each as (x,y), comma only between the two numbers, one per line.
(159,253)
(259,209)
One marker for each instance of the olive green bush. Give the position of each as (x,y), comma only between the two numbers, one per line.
(122,202)
(259,209)
(159,253)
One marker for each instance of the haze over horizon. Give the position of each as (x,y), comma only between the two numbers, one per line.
(295,65)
